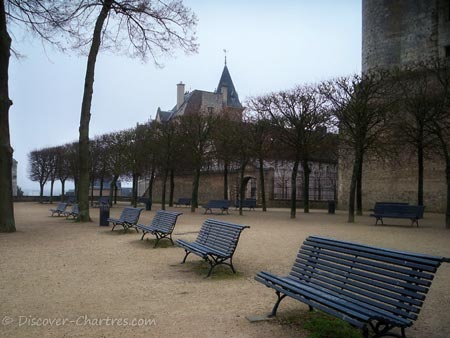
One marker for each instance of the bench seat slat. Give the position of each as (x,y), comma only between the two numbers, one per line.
(396,285)
(373,255)
(408,275)
(359,288)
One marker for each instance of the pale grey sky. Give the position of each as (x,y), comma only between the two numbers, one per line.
(272,45)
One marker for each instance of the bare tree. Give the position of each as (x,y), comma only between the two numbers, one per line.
(40,168)
(34,15)
(195,130)
(416,107)
(150,27)
(361,105)
(296,116)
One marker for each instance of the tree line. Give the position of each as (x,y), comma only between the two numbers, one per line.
(381,115)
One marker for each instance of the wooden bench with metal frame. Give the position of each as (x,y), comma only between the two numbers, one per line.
(215,243)
(368,287)
(161,226)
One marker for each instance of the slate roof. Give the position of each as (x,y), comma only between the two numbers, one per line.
(225,80)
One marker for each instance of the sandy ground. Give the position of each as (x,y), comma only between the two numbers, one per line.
(59,278)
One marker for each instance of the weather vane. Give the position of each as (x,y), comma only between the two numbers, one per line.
(225,52)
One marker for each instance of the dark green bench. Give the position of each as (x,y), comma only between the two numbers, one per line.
(222,205)
(161,226)
(368,287)
(128,218)
(215,243)
(246,203)
(411,212)
(59,210)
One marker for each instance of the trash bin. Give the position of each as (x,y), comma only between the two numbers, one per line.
(104,214)
(331,207)
(148,204)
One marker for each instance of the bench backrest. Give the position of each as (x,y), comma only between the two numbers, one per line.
(165,220)
(222,236)
(222,204)
(61,206)
(247,203)
(75,209)
(413,211)
(375,278)
(130,215)
(184,200)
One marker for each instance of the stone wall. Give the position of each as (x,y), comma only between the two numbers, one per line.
(395,181)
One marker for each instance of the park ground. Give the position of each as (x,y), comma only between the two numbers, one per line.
(59,278)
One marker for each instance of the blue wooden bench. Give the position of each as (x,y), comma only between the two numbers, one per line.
(74,213)
(128,218)
(101,201)
(183,201)
(215,243)
(59,210)
(161,226)
(368,287)
(223,205)
(412,212)
(247,203)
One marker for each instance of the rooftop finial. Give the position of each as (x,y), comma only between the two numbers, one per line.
(225,51)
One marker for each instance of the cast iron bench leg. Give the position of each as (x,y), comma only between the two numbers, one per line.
(277,303)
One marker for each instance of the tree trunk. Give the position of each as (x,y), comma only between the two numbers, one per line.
(164,188)
(134,199)
(52,183)
(63,189)
(353,183)
(83,189)
(447,211)
(194,197)
(111,189)
(101,186)
(41,192)
(7,222)
(172,187)
(225,181)
(420,173)
(150,183)
(242,188)
(359,186)
(262,184)
(92,192)
(115,193)
(294,189)
(306,173)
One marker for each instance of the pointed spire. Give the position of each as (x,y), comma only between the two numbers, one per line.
(225,52)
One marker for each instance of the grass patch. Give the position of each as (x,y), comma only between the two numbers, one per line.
(320,325)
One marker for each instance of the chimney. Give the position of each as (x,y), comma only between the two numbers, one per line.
(224,91)
(180,94)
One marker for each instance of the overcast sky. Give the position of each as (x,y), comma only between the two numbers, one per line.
(272,45)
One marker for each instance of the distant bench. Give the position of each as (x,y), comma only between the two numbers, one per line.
(363,285)
(247,203)
(59,210)
(101,202)
(215,243)
(162,225)
(183,201)
(223,205)
(412,212)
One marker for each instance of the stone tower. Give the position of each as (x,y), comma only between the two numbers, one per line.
(397,32)
(394,34)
